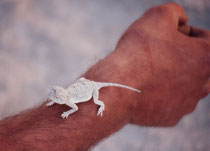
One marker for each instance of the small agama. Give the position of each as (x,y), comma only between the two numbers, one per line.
(81,90)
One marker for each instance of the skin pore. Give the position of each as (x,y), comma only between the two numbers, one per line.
(169,62)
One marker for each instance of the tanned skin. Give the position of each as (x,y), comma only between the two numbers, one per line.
(159,54)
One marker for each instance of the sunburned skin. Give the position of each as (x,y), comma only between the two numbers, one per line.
(80,91)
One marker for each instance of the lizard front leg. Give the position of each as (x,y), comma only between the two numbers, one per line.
(98,102)
(50,103)
(67,113)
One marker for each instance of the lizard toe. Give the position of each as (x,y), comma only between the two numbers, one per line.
(64,115)
(100,112)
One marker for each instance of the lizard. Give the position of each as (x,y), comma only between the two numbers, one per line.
(82,90)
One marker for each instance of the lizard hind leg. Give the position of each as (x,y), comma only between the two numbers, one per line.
(67,113)
(98,102)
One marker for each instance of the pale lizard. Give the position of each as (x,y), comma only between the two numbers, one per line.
(81,90)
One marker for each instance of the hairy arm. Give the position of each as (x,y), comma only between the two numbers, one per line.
(171,68)
(42,128)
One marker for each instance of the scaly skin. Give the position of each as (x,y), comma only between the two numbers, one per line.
(81,91)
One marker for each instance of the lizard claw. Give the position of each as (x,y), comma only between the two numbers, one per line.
(100,112)
(64,114)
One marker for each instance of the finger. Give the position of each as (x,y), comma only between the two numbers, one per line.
(201,33)
(170,15)
(185,29)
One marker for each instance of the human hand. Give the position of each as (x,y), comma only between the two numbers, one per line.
(169,61)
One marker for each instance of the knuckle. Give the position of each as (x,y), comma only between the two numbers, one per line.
(158,10)
(167,10)
(173,5)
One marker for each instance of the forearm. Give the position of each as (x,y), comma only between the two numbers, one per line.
(42,128)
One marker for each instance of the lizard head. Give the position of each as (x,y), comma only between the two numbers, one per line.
(58,95)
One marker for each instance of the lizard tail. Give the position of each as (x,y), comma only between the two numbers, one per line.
(117,85)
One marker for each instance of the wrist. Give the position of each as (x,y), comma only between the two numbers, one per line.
(119,68)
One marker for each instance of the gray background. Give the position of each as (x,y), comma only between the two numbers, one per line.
(51,42)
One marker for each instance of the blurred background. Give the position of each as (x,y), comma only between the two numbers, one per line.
(51,42)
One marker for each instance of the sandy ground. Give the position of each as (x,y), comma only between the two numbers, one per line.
(50,42)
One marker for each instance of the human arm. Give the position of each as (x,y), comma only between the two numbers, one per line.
(170,68)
